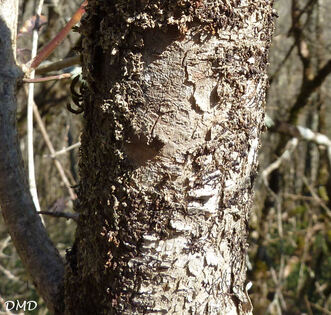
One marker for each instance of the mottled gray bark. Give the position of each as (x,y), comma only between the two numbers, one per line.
(174,112)
(39,256)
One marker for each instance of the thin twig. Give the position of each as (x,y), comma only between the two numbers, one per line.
(310,312)
(59,214)
(280,282)
(50,146)
(64,150)
(279,215)
(317,198)
(9,275)
(299,197)
(31,166)
(49,78)
(272,77)
(303,133)
(277,299)
(3,246)
(290,147)
(58,65)
(49,48)
(14,31)
(308,235)
(320,308)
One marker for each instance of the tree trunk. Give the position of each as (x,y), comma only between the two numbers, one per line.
(174,107)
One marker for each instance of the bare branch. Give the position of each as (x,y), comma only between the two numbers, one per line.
(65,150)
(310,79)
(307,89)
(40,258)
(8,274)
(49,48)
(290,147)
(49,78)
(310,312)
(305,134)
(317,198)
(282,63)
(58,65)
(320,308)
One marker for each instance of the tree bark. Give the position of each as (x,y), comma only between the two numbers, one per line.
(174,108)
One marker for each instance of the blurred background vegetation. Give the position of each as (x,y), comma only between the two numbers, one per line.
(289,259)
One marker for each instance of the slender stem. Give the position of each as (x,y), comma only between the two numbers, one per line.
(50,146)
(49,78)
(49,48)
(58,65)
(14,32)
(65,150)
(31,166)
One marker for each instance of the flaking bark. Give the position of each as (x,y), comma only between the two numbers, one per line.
(174,111)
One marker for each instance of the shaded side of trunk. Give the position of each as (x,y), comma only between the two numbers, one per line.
(174,111)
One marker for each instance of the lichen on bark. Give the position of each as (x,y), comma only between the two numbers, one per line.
(174,111)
